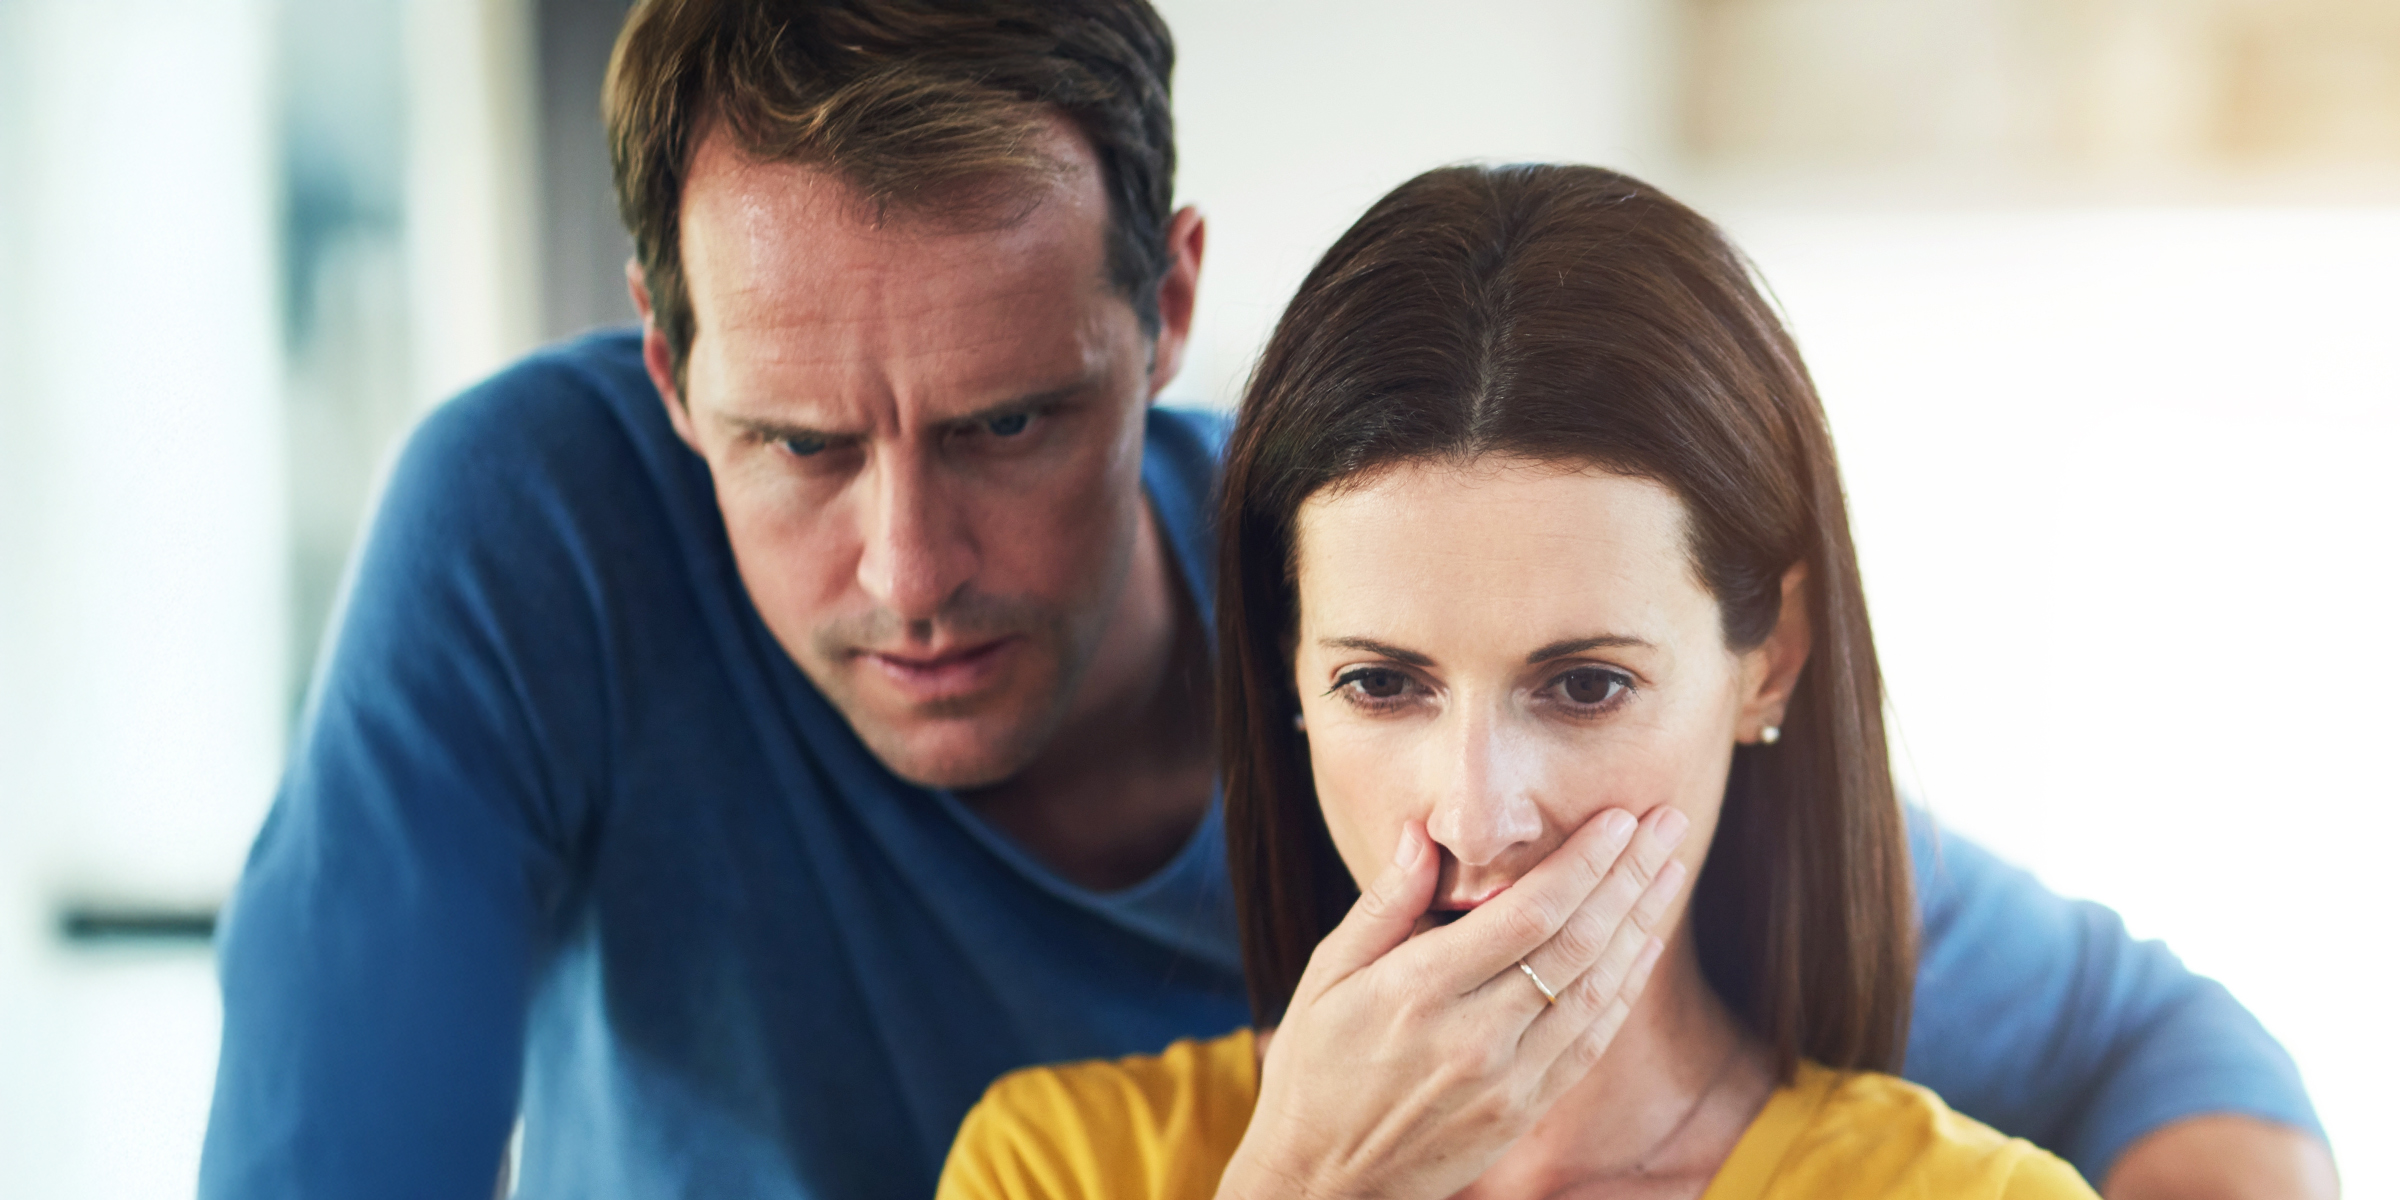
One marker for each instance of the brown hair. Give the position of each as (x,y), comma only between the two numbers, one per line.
(906,99)
(1573,315)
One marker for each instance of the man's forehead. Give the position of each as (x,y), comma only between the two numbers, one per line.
(756,226)
(808,306)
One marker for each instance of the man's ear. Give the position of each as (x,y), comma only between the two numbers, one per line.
(1772,670)
(656,358)
(1187,236)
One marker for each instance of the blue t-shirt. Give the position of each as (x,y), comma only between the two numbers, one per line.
(566,833)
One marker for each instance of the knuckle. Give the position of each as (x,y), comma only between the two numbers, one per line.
(1595,863)
(1472,1060)
(1625,947)
(1595,988)
(1653,905)
(1583,939)
(1638,870)
(1529,922)
(1592,1046)
(1497,1109)
(1421,1001)
(1654,854)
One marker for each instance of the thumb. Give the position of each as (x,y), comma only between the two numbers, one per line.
(1386,913)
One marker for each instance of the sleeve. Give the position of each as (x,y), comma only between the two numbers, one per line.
(377,954)
(977,1168)
(1005,1152)
(2042,1017)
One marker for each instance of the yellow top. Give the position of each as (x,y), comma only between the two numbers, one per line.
(1163,1128)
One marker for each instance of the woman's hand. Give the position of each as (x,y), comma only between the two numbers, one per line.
(1407,1064)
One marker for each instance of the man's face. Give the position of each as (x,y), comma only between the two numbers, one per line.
(926,440)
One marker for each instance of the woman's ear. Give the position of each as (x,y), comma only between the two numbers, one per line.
(1772,669)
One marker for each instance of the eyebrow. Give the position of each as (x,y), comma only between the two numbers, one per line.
(775,430)
(1558,649)
(1371,646)
(1605,641)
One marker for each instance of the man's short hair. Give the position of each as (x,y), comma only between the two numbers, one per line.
(921,106)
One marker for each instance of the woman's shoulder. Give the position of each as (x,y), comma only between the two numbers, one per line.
(1864,1134)
(1151,1126)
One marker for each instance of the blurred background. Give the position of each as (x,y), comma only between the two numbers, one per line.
(2101,295)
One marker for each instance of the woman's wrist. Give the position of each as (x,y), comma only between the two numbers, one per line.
(1246,1178)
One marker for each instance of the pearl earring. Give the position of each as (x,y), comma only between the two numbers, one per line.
(1300,722)
(1770,735)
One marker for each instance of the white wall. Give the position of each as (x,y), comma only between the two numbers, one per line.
(2124,492)
(1293,118)
(144,589)
(146,389)
(471,235)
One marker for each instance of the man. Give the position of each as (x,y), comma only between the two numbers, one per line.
(746,739)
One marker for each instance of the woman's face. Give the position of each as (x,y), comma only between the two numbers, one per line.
(1502,649)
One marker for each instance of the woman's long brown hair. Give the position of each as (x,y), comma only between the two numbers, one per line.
(1574,315)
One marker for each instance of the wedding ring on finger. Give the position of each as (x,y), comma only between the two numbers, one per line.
(1548,997)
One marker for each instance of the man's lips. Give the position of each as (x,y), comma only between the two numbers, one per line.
(924,677)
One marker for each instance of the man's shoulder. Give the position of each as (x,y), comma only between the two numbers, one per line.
(572,432)
(556,485)
(1200,432)
(1180,464)
(563,393)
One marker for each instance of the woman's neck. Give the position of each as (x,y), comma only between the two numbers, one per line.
(1662,1109)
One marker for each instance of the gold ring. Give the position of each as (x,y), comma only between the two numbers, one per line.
(1548,997)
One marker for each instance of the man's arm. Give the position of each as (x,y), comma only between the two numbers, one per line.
(2223,1157)
(2040,1016)
(378,954)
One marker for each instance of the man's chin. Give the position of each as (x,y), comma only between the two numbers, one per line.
(954,753)
(951,769)
(966,733)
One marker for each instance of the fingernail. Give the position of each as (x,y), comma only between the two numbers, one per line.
(1672,827)
(1405,854)
(1618,825)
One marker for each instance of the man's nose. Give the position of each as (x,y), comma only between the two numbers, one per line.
(916,550)
(1487,801)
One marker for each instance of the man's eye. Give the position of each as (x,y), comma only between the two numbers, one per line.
(1009,425)
(1592,686)
(801,447)
(1374,683)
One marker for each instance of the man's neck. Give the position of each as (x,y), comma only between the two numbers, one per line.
(1662,1110)
(1126,778)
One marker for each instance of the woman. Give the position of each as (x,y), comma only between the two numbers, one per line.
(1536,599)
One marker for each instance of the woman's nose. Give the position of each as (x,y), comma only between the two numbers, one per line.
(1486,800)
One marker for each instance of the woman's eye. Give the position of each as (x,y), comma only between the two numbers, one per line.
(1591,687)
(1009,425)
(1374,683)
(801,447)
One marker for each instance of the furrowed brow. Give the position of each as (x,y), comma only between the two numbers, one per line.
(1371,646)
(1050,398)
(767,430)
